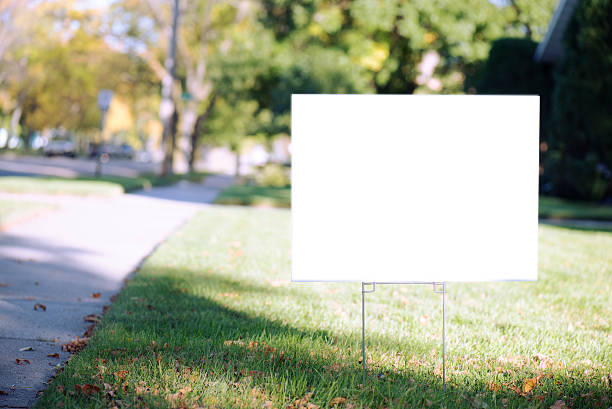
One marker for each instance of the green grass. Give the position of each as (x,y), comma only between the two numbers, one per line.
(244,195)
(549,207)
(88,186)
(211,320)
(15,211)
(555,208)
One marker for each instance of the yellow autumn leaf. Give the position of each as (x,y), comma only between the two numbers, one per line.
(337,401)
(529,384)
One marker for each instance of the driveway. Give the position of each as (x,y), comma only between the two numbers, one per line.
(65,265)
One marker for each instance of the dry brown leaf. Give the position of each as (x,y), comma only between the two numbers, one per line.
(559,405)
(531,383)
(91,318)
(120,375)
(4,284)
(39,306)
(96,295)
(90,389)
(337,401)
(26,349)
(3,392)
(60,388)
(22,361)
(53,355)
(75,346)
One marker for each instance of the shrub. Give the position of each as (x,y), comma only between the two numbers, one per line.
(580,135)
(272,175)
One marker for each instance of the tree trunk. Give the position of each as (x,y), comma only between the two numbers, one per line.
(197,131)
(15,117)
(189,117)
(237,173)
(167,110)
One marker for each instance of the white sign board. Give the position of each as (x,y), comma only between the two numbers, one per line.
(407,188)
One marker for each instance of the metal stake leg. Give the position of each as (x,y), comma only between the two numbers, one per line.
(443,337)
(442,291)
(363,355)
(363,332)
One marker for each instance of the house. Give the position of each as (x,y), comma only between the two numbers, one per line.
(551,49)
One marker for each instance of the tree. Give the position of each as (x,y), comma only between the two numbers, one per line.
(579,159)
(207,31)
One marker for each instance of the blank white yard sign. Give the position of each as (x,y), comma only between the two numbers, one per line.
(405,188)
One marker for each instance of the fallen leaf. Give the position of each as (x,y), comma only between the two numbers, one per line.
(540,398)
(91,318)
(90,389)
(337,401)
(53,355)
(60,388)
(495,387)
(26,349)
(75,346)
(120,375)
(22,361)
(96,295)
(529,384)
(559,405)
(4,284)
(3,392)
(38,306)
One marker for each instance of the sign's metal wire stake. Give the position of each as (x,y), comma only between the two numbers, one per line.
(440,288)
(363,356)
(363,331)
(443,337)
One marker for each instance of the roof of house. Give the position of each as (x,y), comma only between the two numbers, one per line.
(551,48)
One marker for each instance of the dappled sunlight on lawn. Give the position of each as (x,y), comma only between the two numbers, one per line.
(211,320)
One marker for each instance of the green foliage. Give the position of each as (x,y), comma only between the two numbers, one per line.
(105,185)
(252,195)
(579,163)
(511,69)
(272,175)
(555,208)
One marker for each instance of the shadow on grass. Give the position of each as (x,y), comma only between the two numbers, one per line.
(181,349)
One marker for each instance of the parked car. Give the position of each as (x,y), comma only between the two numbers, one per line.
(60,147)
(123,151)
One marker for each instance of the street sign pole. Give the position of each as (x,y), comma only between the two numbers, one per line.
(105,97)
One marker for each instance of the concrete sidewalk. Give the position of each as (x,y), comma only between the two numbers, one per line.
(63,259)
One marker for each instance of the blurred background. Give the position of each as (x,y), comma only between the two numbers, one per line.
(173,86)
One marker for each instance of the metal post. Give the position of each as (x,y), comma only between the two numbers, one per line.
(363,355)
(99,153)
(436,288)
(443,337)
(363,331)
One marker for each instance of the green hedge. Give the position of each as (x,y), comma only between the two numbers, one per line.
(580,136)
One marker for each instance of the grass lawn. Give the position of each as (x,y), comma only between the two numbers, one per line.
(555,208)
(211,320)
(15,211)
(88,186)
(256,196)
